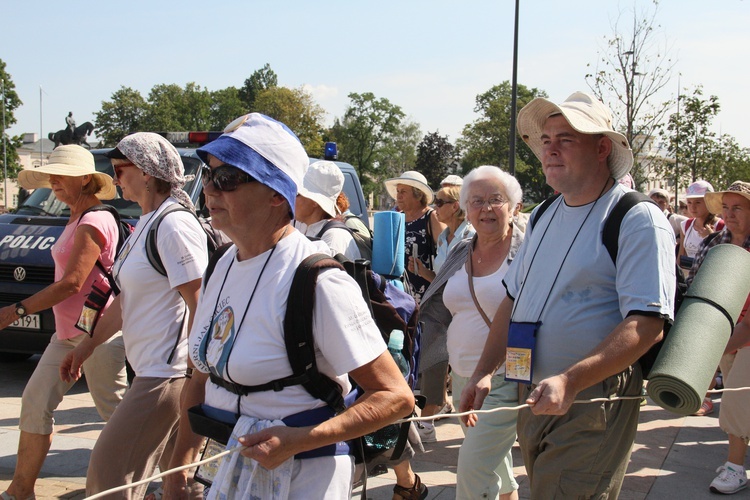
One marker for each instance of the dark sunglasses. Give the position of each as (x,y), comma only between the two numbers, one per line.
(439,203)
(225,177)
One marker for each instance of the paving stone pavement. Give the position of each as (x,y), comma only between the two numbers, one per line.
(674,457)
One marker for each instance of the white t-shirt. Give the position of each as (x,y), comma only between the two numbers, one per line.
(468,332)
(154,315)
(590,297)
(338,240)
(246,344)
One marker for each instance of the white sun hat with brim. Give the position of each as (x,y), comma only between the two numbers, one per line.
(699,189)
(586,115)
(322,184)
(72,161)
(411,178)
(714,201)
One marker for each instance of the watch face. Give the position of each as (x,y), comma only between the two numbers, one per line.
(20,310)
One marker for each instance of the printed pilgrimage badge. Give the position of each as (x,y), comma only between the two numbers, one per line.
(519,355)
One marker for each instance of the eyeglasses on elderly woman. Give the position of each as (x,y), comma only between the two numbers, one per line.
(225,177)
(494,201)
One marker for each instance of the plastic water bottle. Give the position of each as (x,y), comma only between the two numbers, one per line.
(395,346)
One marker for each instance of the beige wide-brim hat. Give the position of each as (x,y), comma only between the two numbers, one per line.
(322,184)
(715,200)
(70,160)
(586,115)
(410,178)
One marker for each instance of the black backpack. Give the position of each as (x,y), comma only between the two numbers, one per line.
(390,307)
(214,237)
(124,230)
(363,241)
(610,240)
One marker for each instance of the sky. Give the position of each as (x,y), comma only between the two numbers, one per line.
(431,58)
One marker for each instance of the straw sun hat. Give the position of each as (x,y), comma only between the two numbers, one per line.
(714,200)
(72,161)
(586,115)
(411,178)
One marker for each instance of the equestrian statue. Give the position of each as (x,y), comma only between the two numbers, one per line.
(72,134)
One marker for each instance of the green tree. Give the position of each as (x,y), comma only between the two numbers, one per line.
(690,140)
(436,158)
(397,155)
(226,105)
(195,108)
(364,131)
(164,112)
(10,104)
(260,80)
(629,73)
(120,116)
(296,109)
(486,141)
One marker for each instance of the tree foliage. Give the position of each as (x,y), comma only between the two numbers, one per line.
(226,105)
(436,158)
(172,108)
(120,116)
(486,141)
(629,73)
(261,79)
(398,155)
(10,104)
(699,152)
(297,109)
(363,133)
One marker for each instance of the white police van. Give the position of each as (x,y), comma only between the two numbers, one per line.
(26,237)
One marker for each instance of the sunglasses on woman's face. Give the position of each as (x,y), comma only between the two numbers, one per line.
(439,203)
(225,177)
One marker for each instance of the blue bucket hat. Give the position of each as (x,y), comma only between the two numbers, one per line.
(265,149)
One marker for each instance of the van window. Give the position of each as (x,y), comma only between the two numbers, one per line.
(350,190)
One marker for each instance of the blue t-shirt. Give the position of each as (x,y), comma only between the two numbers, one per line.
(590,296)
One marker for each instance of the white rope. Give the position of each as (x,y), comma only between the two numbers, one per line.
(165,473)
(404,420)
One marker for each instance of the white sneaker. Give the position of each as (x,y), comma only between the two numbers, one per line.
(730,479)
(427,432)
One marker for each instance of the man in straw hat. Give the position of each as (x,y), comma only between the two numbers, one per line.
(733,205)
(573,323)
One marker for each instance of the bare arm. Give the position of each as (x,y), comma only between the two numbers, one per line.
(387,398)
(619,350)
(436,227)
(740,336)
(87,246)
(492,357)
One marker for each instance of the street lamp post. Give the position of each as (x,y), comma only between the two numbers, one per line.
(5,156)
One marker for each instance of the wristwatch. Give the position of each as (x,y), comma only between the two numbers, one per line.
(20,310)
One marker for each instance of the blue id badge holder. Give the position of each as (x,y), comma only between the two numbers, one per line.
(519,353)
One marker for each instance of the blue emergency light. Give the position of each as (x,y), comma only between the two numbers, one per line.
(331,152)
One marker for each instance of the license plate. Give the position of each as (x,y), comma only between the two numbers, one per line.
(28,322)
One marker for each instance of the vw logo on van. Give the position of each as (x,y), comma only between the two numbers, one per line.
(19,274)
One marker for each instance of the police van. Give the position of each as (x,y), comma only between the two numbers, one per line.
(26,237)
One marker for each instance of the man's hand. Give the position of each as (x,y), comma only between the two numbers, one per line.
(472,398)
(70,368)
(271,447)
(553,396)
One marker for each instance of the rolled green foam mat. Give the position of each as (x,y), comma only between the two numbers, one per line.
(688,359)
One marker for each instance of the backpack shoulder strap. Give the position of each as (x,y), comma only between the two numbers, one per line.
(213,260)
(543,206)
(152,250)
(611,231)
(298,331)
(332,223)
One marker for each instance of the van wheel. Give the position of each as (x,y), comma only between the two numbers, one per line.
(14,357)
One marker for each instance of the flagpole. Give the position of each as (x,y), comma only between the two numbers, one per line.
(41,134)
(5,156)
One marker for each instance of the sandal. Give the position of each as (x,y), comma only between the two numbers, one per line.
(6,496)
(416,492)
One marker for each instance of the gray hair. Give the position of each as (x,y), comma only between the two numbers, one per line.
(489,172)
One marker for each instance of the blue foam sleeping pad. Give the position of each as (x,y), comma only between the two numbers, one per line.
(686,363)
(389,230)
